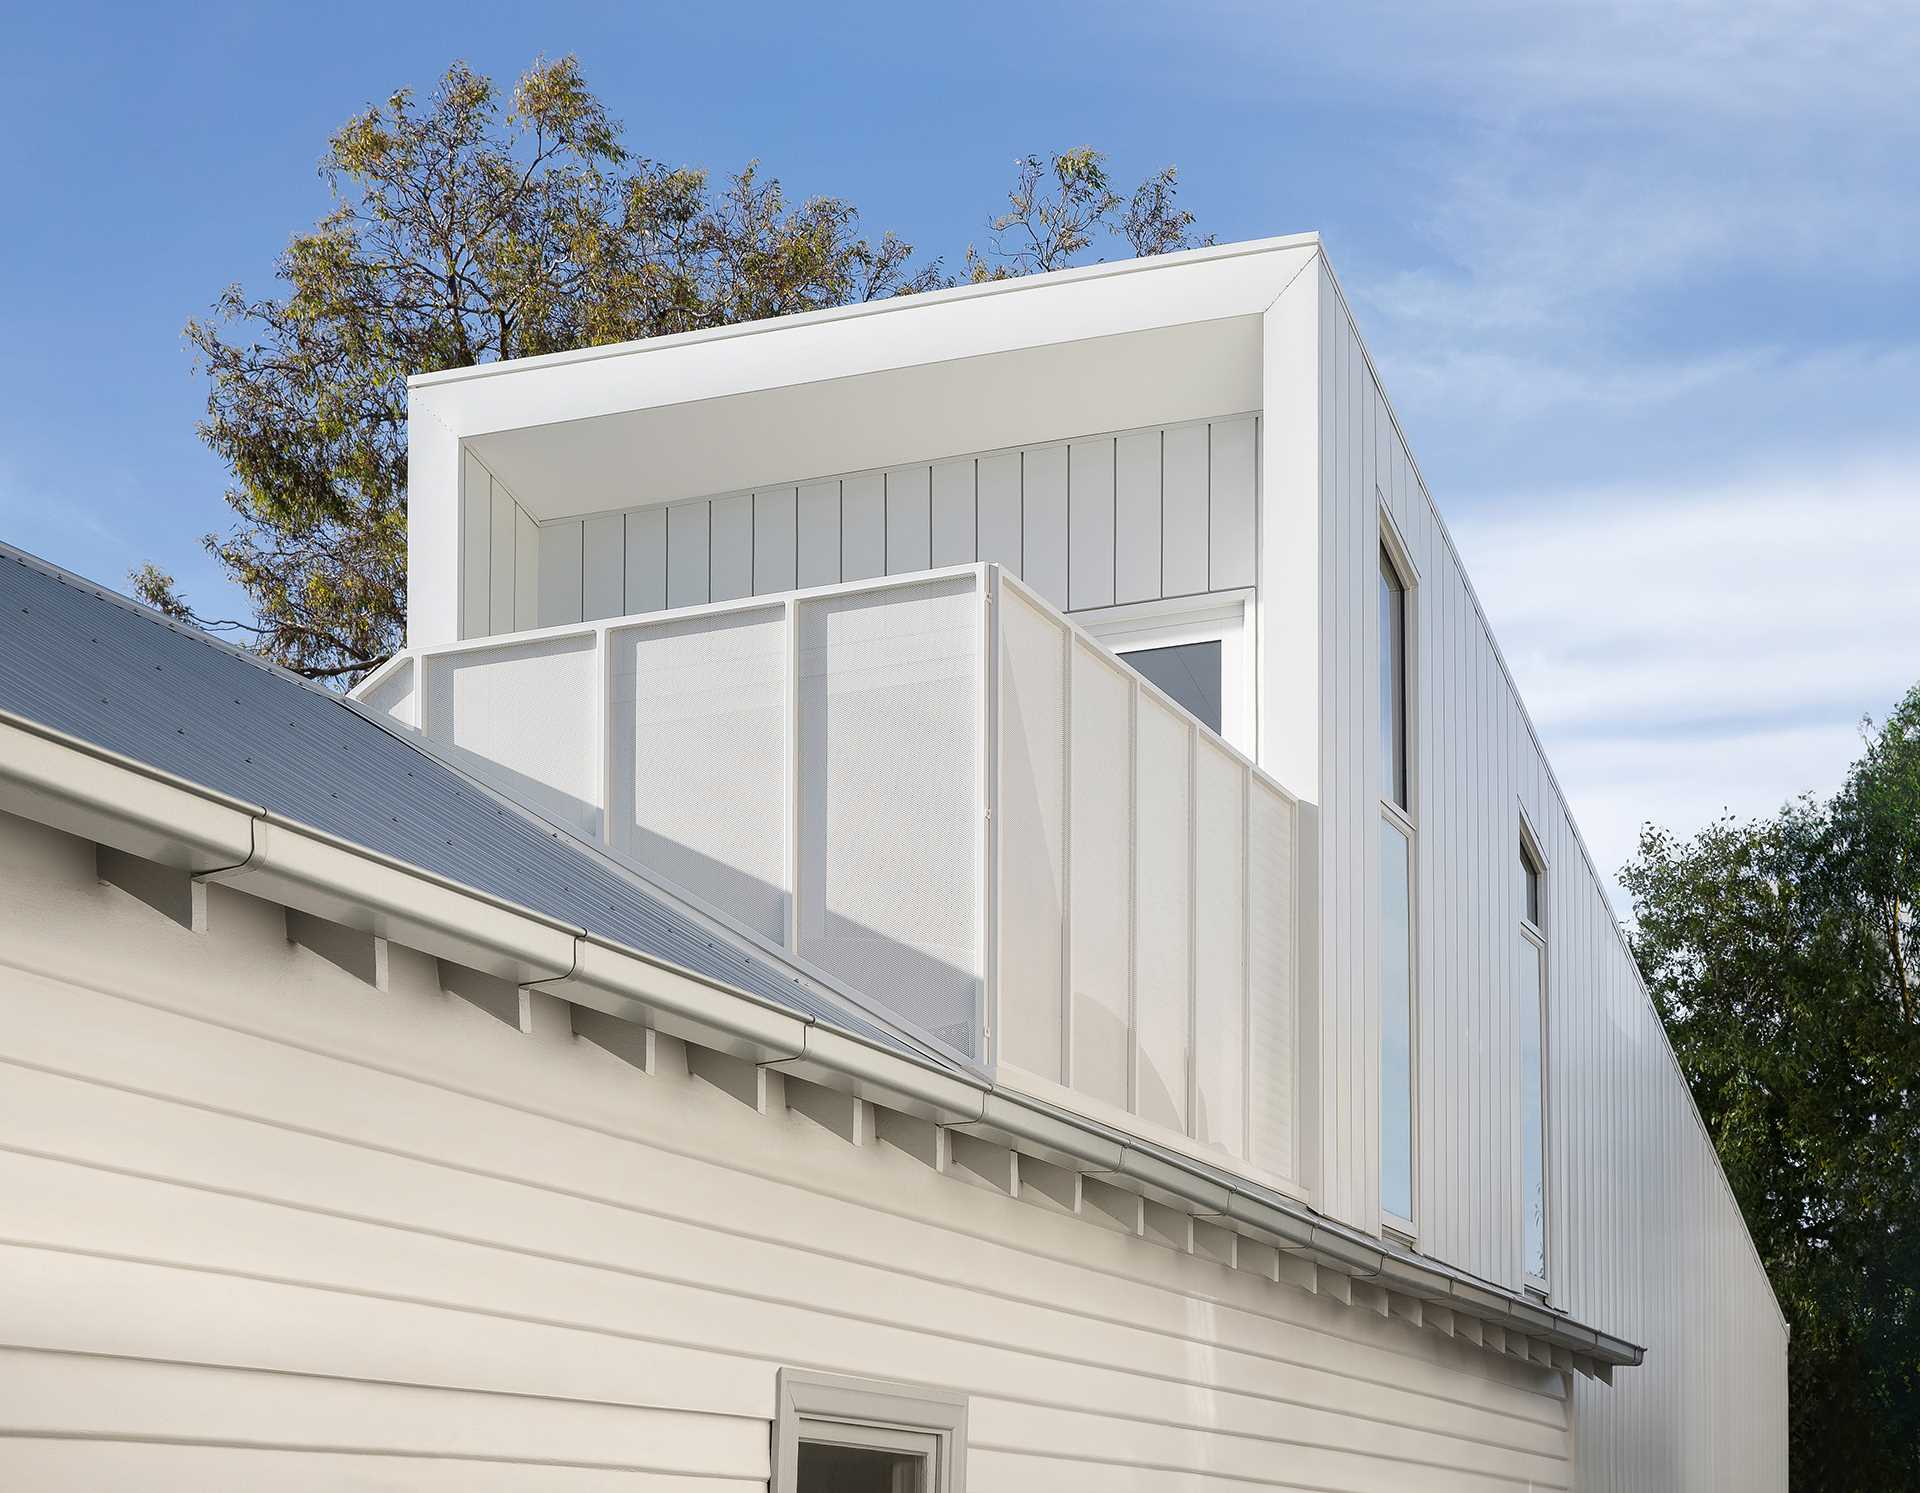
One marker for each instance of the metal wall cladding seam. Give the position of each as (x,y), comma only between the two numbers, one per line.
(95,667)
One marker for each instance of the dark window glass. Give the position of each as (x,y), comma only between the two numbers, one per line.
(825,1468)
(1393,683)
(1531,876)
(1190,672)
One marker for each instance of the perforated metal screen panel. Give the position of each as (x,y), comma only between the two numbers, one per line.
(528,709)
(890,821)
(699,745)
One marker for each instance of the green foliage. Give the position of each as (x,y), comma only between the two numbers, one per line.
(467,228)
(1783,956)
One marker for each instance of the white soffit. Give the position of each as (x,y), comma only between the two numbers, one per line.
(921,412)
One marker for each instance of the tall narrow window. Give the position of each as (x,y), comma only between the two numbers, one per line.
(1393,684)
(1533,1073)
(1398,1024)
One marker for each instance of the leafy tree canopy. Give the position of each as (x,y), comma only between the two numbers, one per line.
(1784,956)
(467,228)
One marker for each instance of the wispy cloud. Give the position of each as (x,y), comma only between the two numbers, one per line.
(1685,652)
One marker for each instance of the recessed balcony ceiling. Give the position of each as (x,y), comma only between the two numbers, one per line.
(923,412)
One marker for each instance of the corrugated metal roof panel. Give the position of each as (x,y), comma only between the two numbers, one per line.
(94,665)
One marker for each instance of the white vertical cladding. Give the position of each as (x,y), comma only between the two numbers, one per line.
(1643,1235)
(1030,825)
(434,530)
(909,519)
(1145,966)
(1087,523)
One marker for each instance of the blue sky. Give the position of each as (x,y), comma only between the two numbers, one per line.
(1640,280)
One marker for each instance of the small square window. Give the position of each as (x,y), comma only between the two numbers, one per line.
(833,1434)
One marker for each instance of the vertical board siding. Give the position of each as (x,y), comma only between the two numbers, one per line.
(687,555)
(1043,522)
(863,526)
(646,574)
(1644,1238)
(953,523)
(1082,522)
(1090,559)
(775,541)
(909,520)
(730,552)
(819,536)
(1183,497)
(603,567)
(273,1228)
(560,553)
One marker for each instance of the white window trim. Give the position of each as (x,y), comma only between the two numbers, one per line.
(876,1413)
(1535,934)
(1216,617)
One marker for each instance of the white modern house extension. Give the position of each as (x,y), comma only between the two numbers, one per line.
(952,892)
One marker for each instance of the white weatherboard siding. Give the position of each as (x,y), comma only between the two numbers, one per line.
(1169,511)
(266,1226)
(1643,1234)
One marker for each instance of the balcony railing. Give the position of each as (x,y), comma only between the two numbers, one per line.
(940,794)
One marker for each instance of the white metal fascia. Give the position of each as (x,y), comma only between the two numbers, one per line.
(903,332)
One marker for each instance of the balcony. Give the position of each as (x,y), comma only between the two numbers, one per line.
(940,796)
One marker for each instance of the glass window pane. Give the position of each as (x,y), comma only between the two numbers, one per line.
(1393,684)
(1396,1025)
(1530,881)
(1189,672)
(1533,1115)
(826,1468)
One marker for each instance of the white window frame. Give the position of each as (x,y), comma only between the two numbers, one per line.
(1534,936)
(1222,617)
(1394,549)
(880,1414)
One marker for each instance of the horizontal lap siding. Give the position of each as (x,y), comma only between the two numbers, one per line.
(1644,1238)
(266,1226)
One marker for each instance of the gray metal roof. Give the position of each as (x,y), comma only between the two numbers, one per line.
(97,666)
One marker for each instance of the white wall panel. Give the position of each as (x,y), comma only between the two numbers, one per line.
(819,538)
(1137,516)
(730,554)
(1100,860)
(501,560)
(687,572)
(476,546)
(603,567)
(1231,484)
(646,570)
(1043,526)
(909,519)
(1272,1053)
(1031,825)
(526,571)
(997,509)
(953,512)
(560,555)
(775,541)
(863,526)
(1220,949)
(1090,562)
(1184,526)
(1163,957)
